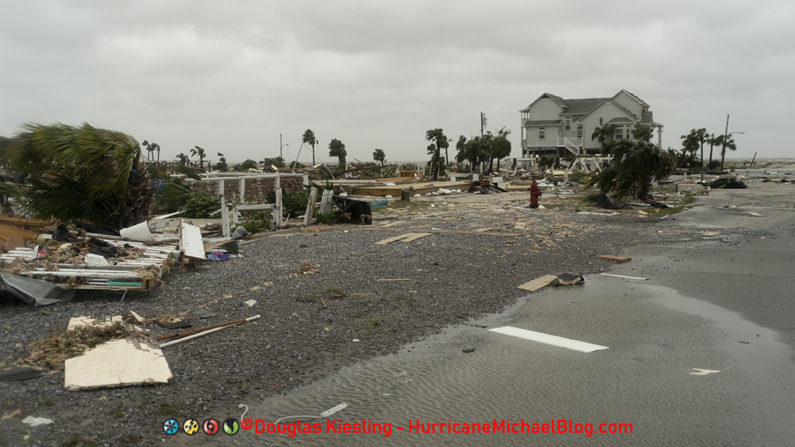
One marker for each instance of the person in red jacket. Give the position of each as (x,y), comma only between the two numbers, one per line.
(535,193)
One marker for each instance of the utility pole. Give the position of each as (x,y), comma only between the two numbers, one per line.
(281,146)
(482,127)
(725,137)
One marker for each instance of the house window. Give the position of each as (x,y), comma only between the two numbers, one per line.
(568,123)
(619,133)
(541,132)
(579,131)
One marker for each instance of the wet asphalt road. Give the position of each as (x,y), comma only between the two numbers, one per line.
(720,306)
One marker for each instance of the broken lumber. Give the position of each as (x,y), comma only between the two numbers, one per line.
(623,276)
(407,237)
(614,258)
(538,283)
(205,331)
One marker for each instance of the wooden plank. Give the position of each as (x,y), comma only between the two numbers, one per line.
(389,240)
(190,241)
(538,283)
(614,258)
(623,276)
(414,236)
(392,224)
(310,207)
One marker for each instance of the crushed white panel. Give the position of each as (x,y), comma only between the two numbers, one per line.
(334,409)
(190,241)
(78,322)
(139,233)
(121,362)
(553,340)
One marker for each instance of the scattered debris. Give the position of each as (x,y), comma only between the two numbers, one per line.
(710,233)
(119,362)
(394,279)
(81,322)
(190,241)
(753,213)
(623,276)
(52,352)
(538,283)
(35,422)
(407,237)
(95,260)
(201,332)
(19,374)
(217,256)
(468,350)
(614,258)
(568,279)
(607,202)
(138,233)
(239,233)
(703,372)
(33,291)
(727,183)
(250,303)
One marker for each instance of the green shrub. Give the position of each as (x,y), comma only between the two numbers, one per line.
(202,206)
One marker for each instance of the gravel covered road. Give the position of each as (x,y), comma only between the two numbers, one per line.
(377,298)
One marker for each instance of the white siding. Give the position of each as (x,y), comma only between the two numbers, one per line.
(550,137)
(545,109)
(606,112)
(628,103)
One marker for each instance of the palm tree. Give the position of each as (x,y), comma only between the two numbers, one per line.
(713,140)
(199,152)
(183,159)
(379,155)
(604,133)
(81,173)
(337,149)
(501,146)
(221,165)
(633,167)
(460,147)
(689,142)
(309,138)
(438,141)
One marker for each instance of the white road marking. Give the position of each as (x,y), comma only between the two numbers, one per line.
(548,339)
(703,372)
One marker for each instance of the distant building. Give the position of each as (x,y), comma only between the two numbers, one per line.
(551,124)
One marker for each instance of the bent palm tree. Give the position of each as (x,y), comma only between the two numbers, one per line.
(81,173)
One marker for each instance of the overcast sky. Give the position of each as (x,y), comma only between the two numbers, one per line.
(231,75)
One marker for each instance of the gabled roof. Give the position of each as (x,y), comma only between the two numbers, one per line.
(631,95)
(581,106)
(620,120)
(610,100)
(557,99)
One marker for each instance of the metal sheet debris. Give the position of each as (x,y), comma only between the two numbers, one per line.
(33,291)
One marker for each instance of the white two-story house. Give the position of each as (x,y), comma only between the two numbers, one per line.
(551,124)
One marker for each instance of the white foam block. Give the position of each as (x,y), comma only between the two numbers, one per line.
(553,340)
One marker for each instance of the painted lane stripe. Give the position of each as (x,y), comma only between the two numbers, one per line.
(548,339)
